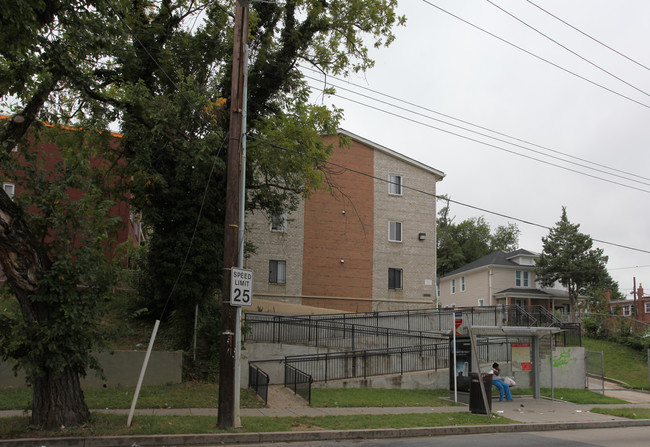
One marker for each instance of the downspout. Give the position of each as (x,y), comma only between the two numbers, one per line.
(490,286)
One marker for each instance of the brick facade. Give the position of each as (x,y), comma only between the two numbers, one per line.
(336,246)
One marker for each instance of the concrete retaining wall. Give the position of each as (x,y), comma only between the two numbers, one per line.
(122,368)
(568,370)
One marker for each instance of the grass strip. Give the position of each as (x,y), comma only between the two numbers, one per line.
(115,425)
(177,395)
(379,397)
(629,413)
(571,395)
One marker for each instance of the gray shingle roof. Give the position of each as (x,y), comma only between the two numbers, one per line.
(495,258)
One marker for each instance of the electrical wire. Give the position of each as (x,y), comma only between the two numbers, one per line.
(602,171)
(566,48)
(530,53)
(474,124)
(196,226)
(590,37)
(438,197)
(475,140)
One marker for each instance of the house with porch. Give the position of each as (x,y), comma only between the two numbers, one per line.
(500,278)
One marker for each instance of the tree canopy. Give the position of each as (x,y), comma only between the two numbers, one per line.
(160,71)
(568,257)
(469,240)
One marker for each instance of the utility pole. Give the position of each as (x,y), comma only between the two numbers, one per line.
(228,415)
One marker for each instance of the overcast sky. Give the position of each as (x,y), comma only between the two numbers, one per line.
(450,67)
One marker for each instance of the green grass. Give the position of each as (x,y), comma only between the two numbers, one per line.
(621,362)
(379,397)
(630,413)
(571,395)
(178,395)
(115,425)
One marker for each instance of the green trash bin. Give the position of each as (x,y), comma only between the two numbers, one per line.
(476,403)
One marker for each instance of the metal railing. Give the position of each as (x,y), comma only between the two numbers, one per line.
(332,334)
(258,380)
(379,362)
(373,362)
(298,381)
(435,319)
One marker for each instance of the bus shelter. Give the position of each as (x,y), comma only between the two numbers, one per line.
(466,353)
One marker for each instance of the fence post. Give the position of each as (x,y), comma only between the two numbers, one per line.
(401,361)
(353,337)
(326,364)
(365,364)
(275,326)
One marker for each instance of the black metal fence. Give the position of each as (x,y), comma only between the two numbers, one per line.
(259,381)
(378,362)
(331,333)
(367,363)
(298,381)
(435,319)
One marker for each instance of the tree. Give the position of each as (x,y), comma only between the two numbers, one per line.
(568,258)
(53,250)
(460,244)
(161,70)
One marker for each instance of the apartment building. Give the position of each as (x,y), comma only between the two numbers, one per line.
(368,244)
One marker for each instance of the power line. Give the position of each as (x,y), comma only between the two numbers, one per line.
(478,126)
(536,56)
(602,171)
(566,48)
(494,146)
(438,197)
(590,37)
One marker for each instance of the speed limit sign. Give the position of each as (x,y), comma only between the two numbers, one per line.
(241,287)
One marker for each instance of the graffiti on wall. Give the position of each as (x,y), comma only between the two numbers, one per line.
(564,359)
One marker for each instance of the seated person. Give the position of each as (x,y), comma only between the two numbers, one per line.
(498,382)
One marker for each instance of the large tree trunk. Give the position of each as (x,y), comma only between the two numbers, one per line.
(58,401)
(57,398)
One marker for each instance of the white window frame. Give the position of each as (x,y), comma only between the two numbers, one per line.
(481,302)
(395,183)
(277,271)
(279,223)
(392,280)
(522,278)
(453,286)
(627,310)
(647,307)
(10,189)
(395,231)
(462,283)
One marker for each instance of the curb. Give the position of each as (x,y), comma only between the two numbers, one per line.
(324,435)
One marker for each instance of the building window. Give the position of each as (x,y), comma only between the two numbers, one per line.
(395,231)
(453,286)
(647,307)
(627,311)
(277,272)
(394,279)
(521,278)
(481,302)
(10,189)
(279,222)
(462,283)
(395,184)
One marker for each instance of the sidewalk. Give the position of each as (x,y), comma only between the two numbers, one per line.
(531,414)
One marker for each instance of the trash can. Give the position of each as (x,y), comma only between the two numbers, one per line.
(476,404)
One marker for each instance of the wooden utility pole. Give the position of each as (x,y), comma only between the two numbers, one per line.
(228,415)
